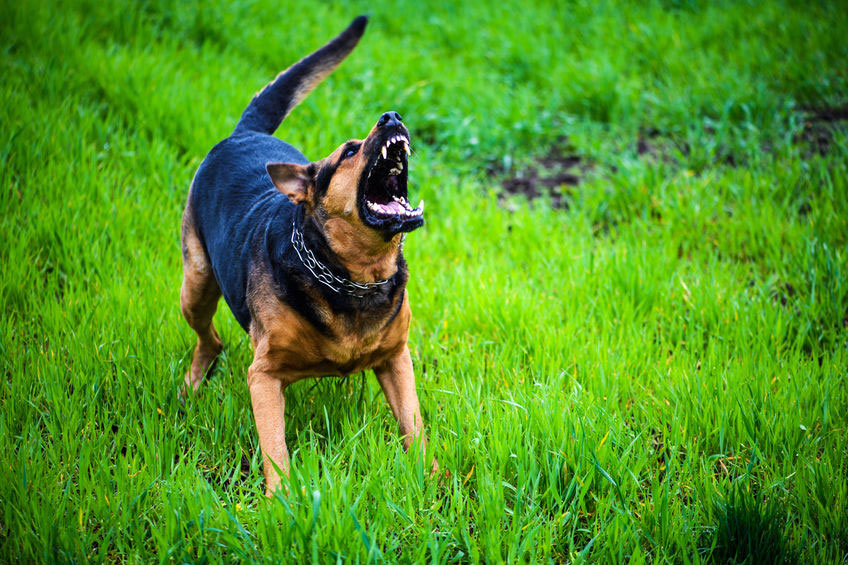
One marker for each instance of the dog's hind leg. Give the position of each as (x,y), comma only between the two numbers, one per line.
(198,301)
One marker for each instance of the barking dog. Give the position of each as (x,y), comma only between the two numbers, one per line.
(306,254)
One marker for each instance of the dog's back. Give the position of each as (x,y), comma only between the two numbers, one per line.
(233,206)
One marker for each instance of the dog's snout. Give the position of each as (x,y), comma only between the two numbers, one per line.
(389,119)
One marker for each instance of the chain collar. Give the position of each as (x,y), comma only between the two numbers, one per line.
(325,276)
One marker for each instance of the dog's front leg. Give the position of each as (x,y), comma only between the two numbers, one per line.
(398,384)
(268,400)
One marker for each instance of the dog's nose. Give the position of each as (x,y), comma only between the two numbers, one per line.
(389,119)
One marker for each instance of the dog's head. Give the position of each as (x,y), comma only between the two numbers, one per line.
(363,182)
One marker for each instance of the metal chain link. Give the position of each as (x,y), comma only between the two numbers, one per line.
(325,276)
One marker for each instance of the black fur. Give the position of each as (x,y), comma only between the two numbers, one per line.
(245,224)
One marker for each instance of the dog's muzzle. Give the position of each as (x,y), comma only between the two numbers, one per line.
(384,203)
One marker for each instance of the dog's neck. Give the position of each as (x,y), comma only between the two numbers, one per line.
(365,254)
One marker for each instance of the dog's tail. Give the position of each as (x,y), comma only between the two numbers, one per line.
(273,103)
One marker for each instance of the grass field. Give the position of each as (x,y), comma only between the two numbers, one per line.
(647,362)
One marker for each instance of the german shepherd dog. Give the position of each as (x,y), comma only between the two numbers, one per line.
(306,254)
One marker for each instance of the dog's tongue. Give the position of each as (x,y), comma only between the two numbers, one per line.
(395,207)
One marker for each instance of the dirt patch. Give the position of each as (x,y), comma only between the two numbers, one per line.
(816,137)
(783,294)
(550,176)
(554,175)
(652,144)
(819,124)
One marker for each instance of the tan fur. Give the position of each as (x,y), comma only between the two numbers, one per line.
(366,255)
(363,251)
(293,348)
(198,301)
(287,347)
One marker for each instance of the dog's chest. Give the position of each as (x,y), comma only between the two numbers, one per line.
(356,351)
(350,346)
(342,355)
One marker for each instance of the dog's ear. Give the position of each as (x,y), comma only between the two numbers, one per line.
(295,181)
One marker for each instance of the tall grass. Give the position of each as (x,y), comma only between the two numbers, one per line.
(656,372)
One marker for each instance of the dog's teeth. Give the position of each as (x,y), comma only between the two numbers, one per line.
(406,148)
(383,151)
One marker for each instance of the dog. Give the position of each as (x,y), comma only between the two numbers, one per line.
(308,256)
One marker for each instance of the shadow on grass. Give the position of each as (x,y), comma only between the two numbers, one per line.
(749,529)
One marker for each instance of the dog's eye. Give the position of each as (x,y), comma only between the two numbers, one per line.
(350,152)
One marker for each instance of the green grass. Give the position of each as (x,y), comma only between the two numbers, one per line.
(657,372)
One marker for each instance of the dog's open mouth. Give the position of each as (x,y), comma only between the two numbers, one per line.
(383,203)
